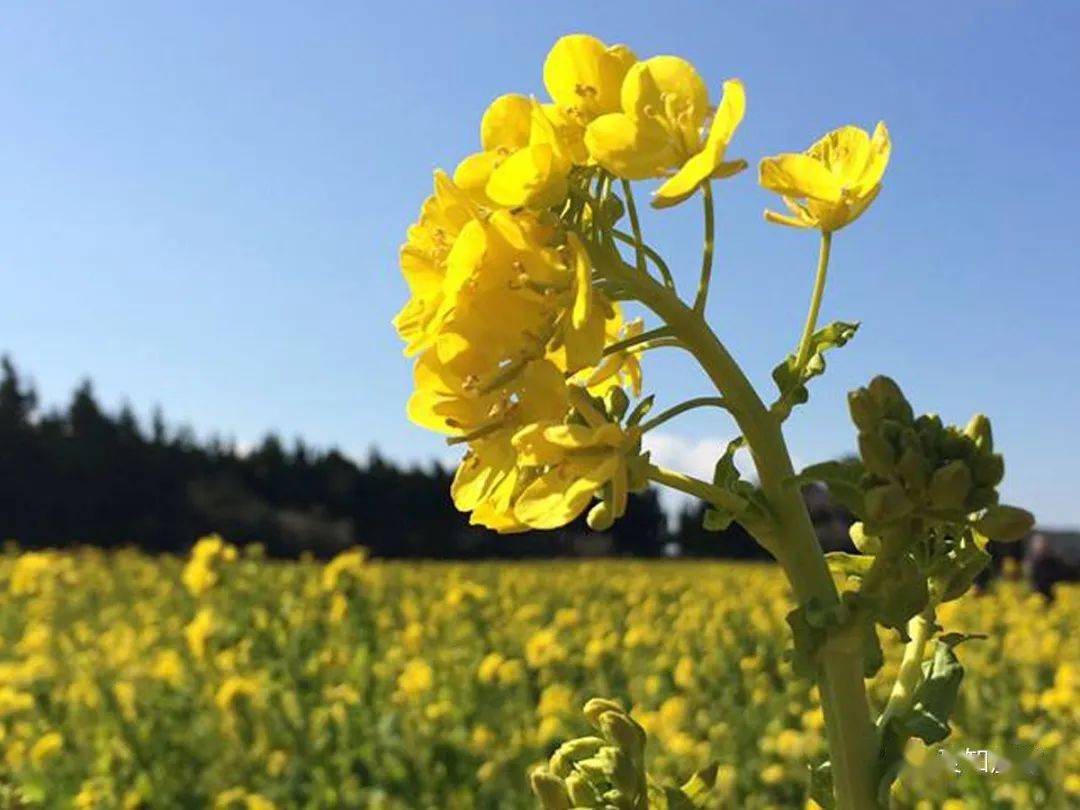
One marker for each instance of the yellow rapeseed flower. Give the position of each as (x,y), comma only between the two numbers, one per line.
(833,182)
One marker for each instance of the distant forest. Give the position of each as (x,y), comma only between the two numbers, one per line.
(81,475)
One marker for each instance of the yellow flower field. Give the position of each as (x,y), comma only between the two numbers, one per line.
(228,681)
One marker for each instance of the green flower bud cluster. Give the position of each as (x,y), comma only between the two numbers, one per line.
(605,771)
(920,468)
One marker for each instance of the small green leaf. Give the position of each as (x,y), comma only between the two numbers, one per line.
(842,479)
(791,380)
(807,641)
(699,785)
(935,697)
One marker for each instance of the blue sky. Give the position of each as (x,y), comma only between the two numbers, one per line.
(202,206)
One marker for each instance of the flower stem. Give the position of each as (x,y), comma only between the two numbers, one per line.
(635,225)
(630,342)
(682,407)
(815,300)
(707,255)
(652,255)
(920,628)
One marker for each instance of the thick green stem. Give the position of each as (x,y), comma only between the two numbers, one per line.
(852,741)
(815,300)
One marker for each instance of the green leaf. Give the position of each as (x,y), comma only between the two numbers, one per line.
(807,639)
(842,479)
(726,476)
(791,380)
(699,785)
(935,697)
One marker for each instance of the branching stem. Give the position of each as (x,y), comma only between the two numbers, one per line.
(683,407)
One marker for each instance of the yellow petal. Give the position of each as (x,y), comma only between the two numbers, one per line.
(844,152)
(583,75)
(506,123)
(668,86)
(472,174)
(880,150)
(534,449)
(728,115)
(560,495)
(630,148)
(531,177)
(795,175)
(582,307)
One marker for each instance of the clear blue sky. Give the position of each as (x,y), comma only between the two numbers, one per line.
(202,205)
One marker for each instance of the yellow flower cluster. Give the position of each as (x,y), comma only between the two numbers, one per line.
(521,348)
(447,682)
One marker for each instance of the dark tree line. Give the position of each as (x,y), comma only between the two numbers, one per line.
(82,475)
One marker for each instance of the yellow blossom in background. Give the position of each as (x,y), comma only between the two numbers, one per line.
(833,182)
(416,679)
(252,679)
(45,748)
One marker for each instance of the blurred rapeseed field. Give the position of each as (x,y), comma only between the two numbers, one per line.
(229,681)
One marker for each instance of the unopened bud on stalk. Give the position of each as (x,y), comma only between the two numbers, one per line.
(550,790)
(887,503)
(596,707)
(625,733)
(978,430)
(617,403)
(988,469)
(890,398)
(865,413)
(950,485)
(1005,523)
(562,761)
(866,543)
(877,454)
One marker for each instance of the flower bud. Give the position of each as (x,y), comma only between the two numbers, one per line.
(950,485)
(624,731)
(978,430)
(887,503)
(890,398)
(988,469)
(1005,523)
(596,707)
(865,413)
(617,403)
(866,543)
(562,761)
(601,517)
(877,454)
(581,792)
(981,498)
(550,790)
(912,469)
